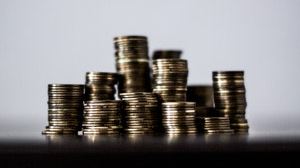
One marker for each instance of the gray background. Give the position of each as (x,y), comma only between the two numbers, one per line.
(57,41)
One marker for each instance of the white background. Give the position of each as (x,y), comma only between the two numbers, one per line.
(57,41)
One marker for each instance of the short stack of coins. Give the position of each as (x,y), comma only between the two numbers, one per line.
(203,96)
(170,79)
(132,62)
(214,125)
(141,113)
(179,117)
(65,106)
(100,86)
(166,54)
(230,98)
(102,117)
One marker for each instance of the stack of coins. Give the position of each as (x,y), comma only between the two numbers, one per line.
(102,117)
(141,113)
(65,106)
(212,125)
(100,86)
(132,62)
(239,123)
(179,117)
(166,54)
(170,79)
(230,98)
(203,96)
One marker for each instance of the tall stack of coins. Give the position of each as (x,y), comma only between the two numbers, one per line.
(203,96)
(212,125)
(141,113)
(230,98)
(65,106)
(132,62)
(100,86)
(102,117)
(170,79)
(179,117)
(166,54)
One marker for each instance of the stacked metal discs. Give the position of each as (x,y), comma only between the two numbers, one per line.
(141,113)
(212,125)
(203,96)
(179,117)
(132,62)
(166,54)
(100,86)
(230,98)
(65,106)
(102,117)
(170,79)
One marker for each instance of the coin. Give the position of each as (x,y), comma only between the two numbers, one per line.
(166,54)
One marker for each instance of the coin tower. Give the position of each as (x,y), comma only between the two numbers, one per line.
(65,107)
(230,98)
(132,63)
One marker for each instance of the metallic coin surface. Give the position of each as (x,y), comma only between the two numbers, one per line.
(230,98)
(65,108)
(132,64)
(169,78)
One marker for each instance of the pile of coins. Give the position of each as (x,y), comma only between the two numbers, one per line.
(170,79)
(100,86)
(213,125)
(203,96)
(179,117)
(154,100)
(230,98)
(102,117)
(141,113)
(65,106)
(166,54)
(132,62)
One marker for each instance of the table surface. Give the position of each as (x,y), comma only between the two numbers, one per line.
(147,150)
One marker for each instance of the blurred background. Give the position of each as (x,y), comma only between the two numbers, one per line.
(57,41)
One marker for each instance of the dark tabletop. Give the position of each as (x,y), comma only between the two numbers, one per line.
(145,150)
